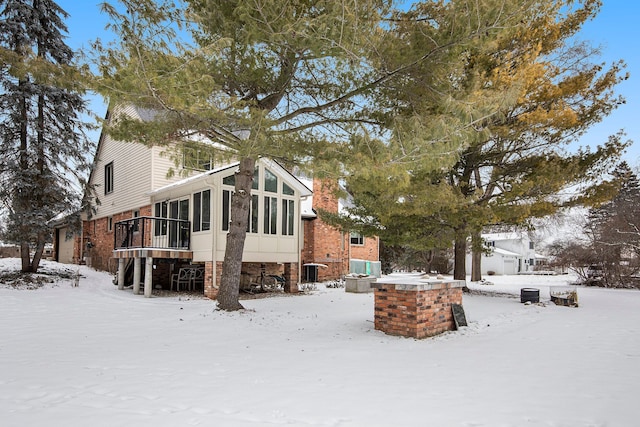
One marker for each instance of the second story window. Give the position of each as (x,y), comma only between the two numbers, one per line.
(357,239)
(108,178)
(195,158)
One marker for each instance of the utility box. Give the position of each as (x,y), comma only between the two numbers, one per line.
(359,284)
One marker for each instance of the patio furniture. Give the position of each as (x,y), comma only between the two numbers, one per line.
(182,279)
(188,278)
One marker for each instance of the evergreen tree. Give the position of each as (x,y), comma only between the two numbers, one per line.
(513,164)
(43,145)
(614,229)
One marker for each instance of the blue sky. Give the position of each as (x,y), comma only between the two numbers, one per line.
(616,30)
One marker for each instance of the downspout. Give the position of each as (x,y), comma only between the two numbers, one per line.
(300,239)
(214,227)
(348,242)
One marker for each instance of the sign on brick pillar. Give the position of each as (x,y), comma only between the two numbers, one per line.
(416,308)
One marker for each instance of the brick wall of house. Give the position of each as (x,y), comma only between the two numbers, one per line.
(369,251)
(324,244)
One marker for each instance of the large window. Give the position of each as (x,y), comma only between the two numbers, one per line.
(252,226)
(270,215)
(271,199)
(160,226)
(226,209)
(108,178)
(270,182)
(288,217)
(202,210)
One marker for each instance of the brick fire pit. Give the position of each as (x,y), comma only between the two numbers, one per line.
(414,307)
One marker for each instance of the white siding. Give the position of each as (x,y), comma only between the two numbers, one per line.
(161,164)
(137,170)
(131,176)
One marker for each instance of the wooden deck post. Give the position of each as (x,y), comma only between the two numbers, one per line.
(121,264)
(136,275)
(148,274)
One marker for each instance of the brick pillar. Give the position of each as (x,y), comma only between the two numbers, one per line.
(291,277)
(417,310)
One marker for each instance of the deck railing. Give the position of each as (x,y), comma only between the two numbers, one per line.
(152,232)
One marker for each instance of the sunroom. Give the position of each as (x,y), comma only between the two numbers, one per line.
(190,223)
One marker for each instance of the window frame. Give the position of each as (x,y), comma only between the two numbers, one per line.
(161,210)
(288,218)
(359,238)
(108,178)
(270,215)
(201,217)
(272,209)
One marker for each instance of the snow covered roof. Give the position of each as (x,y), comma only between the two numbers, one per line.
(505,252)
(271,164)
(307,202)
(513,235)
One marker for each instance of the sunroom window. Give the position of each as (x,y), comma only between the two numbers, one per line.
(202,210)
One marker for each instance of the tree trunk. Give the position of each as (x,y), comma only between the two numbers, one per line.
(37,256)
(26,257)
(232,266)
(19,197)
(476,256)
(459,256)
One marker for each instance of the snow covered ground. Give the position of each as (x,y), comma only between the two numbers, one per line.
(96,356)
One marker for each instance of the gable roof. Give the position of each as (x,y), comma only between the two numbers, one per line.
(505,252)
(274,166)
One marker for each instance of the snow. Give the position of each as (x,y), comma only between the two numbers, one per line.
(93,355)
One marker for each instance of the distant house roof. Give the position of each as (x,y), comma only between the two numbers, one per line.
(505,252)
(513,235)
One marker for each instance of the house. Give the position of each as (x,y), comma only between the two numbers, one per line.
(151,225)
(509,253)
(329,253)
(173,222)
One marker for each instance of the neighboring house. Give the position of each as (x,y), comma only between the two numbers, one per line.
(329,253)
(510,253)
(174,222)
(13,251)
(9,250)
